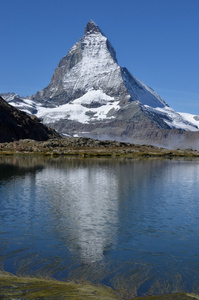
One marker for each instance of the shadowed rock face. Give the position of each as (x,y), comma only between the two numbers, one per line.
(15,125)
(91,27)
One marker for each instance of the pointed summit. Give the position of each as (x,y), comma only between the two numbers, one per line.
(91,64)
(90,94)
(92,27)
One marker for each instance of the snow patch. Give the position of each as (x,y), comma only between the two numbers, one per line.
(75,111)
(191,118)
(94,96)
(174,119)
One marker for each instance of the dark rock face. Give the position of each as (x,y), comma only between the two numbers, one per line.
(15,125)
(91,27)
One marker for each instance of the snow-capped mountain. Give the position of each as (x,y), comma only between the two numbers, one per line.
(91,64)
(91,95)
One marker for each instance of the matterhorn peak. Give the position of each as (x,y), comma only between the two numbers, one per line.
(91,64)
(92,27)
(91,95)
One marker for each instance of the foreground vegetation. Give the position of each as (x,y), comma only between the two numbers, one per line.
(85,147)
(14,287)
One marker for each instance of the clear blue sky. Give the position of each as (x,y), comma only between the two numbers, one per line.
(157,40)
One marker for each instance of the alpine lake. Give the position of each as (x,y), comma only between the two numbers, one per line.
(129,224)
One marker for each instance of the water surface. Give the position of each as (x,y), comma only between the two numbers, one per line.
(129,224)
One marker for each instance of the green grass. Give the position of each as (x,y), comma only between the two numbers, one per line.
(15,287)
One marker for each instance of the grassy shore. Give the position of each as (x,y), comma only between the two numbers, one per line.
(85,147)
(14,287)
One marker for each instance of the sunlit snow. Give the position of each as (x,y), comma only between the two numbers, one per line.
(76,111)
(191,118)
(174,119)
(97,67)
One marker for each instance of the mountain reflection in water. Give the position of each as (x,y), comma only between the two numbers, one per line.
(129,224)
(84,207)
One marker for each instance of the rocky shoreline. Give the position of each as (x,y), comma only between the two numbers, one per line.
(86,147)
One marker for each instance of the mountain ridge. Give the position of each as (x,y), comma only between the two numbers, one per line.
(91,95)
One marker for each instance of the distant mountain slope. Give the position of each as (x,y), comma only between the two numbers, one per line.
(91,95)
(15,125)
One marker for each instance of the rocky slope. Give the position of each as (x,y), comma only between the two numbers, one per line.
(86,147)
(15,125)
